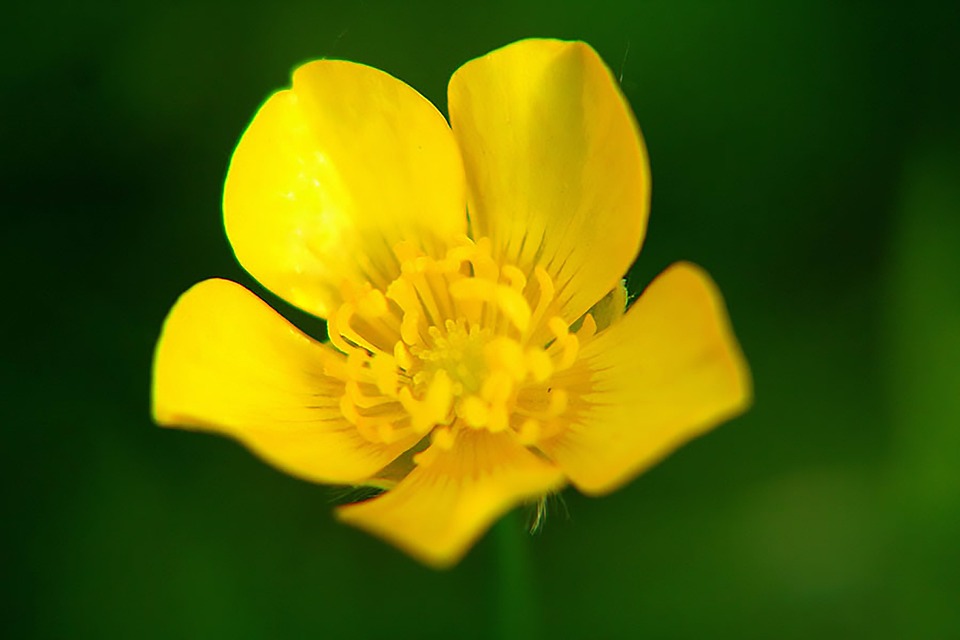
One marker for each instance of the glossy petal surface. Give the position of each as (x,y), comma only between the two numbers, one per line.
(668,371)
(228,363)
(437,512)
(556,169)
(332,174)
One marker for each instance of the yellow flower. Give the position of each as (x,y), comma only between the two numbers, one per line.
(470,275)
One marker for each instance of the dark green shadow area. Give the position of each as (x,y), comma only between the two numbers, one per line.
(807,154)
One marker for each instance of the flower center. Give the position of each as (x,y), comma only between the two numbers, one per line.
(455,342)
(456,351)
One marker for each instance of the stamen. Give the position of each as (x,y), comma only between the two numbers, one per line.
(499,418)
(529,432)
(443,438)
(336,337)
(434,408)
(361,401)
(473,289)
(344,317)
(410,328)
(456,342)
(387,432)
(517,280)
(545,297)
(565,341)
(349,410)
(370,430)
(425,293)
(539,364)
(484,266)
(571,349)
(402,355)
(384,371)
(406,251)
(372,305)
(504,353)
(402,292)
(474,412)
(512,303)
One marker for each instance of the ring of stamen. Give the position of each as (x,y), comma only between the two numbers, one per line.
(452,343)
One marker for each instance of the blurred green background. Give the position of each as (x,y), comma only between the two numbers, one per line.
(805,153)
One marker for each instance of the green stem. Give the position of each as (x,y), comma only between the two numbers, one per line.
(517,610)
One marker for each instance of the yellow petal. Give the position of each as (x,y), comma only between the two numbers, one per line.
(228,363)
(668,371)
(556,168)
(332,174)
(441,508)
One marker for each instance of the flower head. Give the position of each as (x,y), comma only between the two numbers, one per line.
(470,276)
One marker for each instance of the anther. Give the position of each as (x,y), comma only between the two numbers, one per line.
(513,305)
(515,276)
(410,328)
(546,293)
(539,364)
(372,305)
(402,355)
(473,411)
(529,432)
(383,367)
(443,438)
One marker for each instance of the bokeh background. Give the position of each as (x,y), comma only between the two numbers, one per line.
(805,153)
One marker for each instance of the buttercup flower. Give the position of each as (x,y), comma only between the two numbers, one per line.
(470,275)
